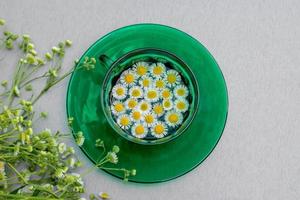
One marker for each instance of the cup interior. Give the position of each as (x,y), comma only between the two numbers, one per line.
(150,55)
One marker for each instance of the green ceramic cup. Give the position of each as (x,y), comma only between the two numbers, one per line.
(115,68)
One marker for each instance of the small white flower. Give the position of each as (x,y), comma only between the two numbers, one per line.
(146,82)
(173,118)
(117,108)
(112,157)
(131,103)
(139,130)
(150,119)
(159,130)
(160,83)
(144,107)
(167,104)
(158,109)
(181,105)
(128,77)
(166,93)
(136,92)
(181,91)
(124,121)
(151,94)
(157,70)
(141,68)
(119,91)
(136,116)
(173,78)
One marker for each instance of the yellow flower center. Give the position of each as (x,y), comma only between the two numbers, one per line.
(171,78)
(132,103)
(173,118)
(120,91)
(139,129)
(146,82)
(124,121)
(181,105)
(136,93)
(159,129)
(129,78)
(119,107)
(157,70)
(166,94)
(167,104)
(181,92)
(141,70)
(160,84)
(144,106)
(158,109)
(151,94)
(149,119)
(136,115)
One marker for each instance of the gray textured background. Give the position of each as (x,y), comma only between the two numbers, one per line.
(257,45)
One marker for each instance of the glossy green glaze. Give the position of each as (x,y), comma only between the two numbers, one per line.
(161,162)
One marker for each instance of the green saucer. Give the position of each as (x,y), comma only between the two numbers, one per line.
(160,162)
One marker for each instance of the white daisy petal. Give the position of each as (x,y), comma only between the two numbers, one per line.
(117,108)
(139,130)
(159,130)
(124,121)
(136,92)
(151,94)
(150,119)
(173,118)
(144,107)
(158,109)
(136,116)
(173,78)
(128,77)
(167,104)
(146,82)
(119,92)
(181,105)
(181,91)
(141,68)
(157,70)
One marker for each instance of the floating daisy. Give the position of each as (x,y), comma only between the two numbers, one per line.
(159,130)
(136,92)
(131,103)
(119,91)
(181,105)
(128,77)
(124,121)
(158,109)
(117,108)
(157,70)
(139,130)
(144,106)
(141,68)
(160,83)
(172,77)
(136,115)
(181,91)
(146,82)
(150,119)
(151,95)
(167,104)
(173,118)
(166,93)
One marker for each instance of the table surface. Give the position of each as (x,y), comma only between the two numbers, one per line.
(257,45)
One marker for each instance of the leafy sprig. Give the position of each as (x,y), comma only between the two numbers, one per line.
(38,164)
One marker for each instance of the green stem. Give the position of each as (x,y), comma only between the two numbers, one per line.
(17,172)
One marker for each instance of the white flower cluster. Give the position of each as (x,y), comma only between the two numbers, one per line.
(149,99)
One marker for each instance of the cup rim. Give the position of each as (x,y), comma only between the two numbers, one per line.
(168,138)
